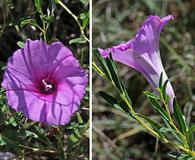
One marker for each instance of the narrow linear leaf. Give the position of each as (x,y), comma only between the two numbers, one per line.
(190,137)
(180,156)
(127,96)
(102,63)
(114,103)
(156,126)
(111,100)
(78,40)
(152,95)
(158,108)
(179,117)
(164,89)
(161,80)
(165,117)
(165,129)
(112,67)
(176,135)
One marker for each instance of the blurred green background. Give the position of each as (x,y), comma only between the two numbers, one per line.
(115,136)
(20,137)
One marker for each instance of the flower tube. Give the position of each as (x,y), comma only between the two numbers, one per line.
(142,53)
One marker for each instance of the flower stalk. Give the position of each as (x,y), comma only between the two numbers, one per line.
(75,18)
(105,72)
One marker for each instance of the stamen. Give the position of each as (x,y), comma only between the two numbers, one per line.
(47,86)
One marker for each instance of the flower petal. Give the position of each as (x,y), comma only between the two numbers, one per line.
(55,64)
(38,109)
(142,52)
(123,54)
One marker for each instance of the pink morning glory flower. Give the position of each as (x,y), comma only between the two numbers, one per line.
(142,53)
(45,82)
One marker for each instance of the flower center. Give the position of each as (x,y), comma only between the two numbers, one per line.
(47,87)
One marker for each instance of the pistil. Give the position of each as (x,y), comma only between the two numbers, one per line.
(46,85)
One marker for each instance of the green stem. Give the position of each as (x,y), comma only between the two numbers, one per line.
(37,149)
(143,124)
(122,95)
(182,148)
(183,138)
(156,148)
(44,32)
(75,18)
(98,70)
(40,28)
(140,121)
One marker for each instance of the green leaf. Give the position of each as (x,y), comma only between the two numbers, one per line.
(164,89)
(127,96)
(190,137)
(79,118)
(26,133)
(111,100)
(11,121)
(156,126)
(20,44)
(180,156)
(38,4)
(75,137)
(161,80)
(114,103)
(179,117)
(103,64)
(152,95)
(159,108)
(48,19)
(165,116)
(112,67)
(85,2)
(175,134)
(85,18)
(165,129)
(28,21)
(2,141)
(78,40)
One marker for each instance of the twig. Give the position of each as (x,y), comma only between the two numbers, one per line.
(38,150)
(75,18)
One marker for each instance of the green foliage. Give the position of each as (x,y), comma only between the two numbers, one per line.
(38,5)
(190,135)
(85,2)
(85,18)
(77,40)
(20,44)
(22,137)
(118,21)
(180,156)
(108,70)
(179,117)
(28,21)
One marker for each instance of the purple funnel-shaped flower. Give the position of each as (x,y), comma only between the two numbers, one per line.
(142,53)
(45,82)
